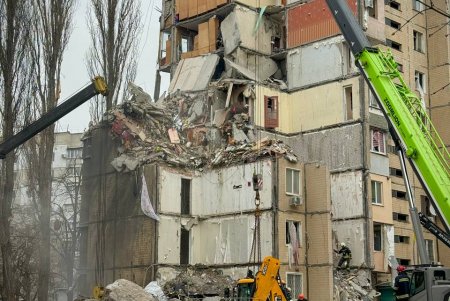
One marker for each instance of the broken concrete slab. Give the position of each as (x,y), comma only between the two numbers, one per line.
(263,66)
(194,74)
(125,290)
(242,70)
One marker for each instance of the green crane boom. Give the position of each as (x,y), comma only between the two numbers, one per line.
(409,123)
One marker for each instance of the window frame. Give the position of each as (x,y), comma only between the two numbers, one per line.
(381,237)
(271,113)
(372,147)
(380,198)
(298,230)
(394,45)
(294,290)
(292,193)
(419,77)
(419,42)
(417,6)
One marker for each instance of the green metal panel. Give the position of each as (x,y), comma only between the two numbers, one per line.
(409,120)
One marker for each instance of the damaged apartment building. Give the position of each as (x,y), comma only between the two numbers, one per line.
(257,87)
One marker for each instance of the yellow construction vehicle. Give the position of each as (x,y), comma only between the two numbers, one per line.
(266,285)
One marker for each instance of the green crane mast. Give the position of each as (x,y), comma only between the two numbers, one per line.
(409,123)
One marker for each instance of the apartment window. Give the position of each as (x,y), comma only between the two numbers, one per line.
(393,4)
(418,5)
(395,172)
(377,190)
(378,141)
(271,111)
(418,41)
(400,217)
(392,23)
(184,246)
(401,239)
(420,81)
(372,8)
(348,102)
(430,249)
(185,196)
(402,261)
(373,101)
(392,149)
(400,67)
(425,206)
(73,153)
(377,237)
(394,45)
(292,181)
(293,233)
(399,194)
(295,282)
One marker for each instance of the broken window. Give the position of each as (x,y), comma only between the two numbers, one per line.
(377,237)
(373,101)
(184,246)
(401,239)
(395,172)
(276,44)
(271,111)
(393,4)
(185,196)
(402,261)
(377,190)
(394,45)
(399,194)
(420,81)
(392,23)
(430,249)
(418,5)
(425,207)
(400,217)
(418,41)
(372,8)
(378,141)
(292,181)
(295,282)
(293,233)
(348,102)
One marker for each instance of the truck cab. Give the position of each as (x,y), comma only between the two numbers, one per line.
(429,283)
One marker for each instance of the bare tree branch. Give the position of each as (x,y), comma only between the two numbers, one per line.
(114,27)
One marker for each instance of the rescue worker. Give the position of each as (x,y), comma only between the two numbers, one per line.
(344,262)
(401,285)
(301,297)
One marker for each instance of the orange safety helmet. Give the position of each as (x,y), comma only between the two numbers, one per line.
(301,296)
(401,268)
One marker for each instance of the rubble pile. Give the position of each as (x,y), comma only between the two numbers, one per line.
(124,290)
(173,130)
(198,283)
(353,285)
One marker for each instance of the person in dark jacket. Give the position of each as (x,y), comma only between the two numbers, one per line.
(401,285)
(344,262)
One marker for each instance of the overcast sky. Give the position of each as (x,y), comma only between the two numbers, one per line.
(74,74)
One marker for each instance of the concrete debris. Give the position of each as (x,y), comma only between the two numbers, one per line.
(156,291)
(198,282)
(186,130)
(353,285)
(124,290)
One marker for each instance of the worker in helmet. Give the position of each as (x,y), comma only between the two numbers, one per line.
(401,285)
(344,262)
(301,297)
